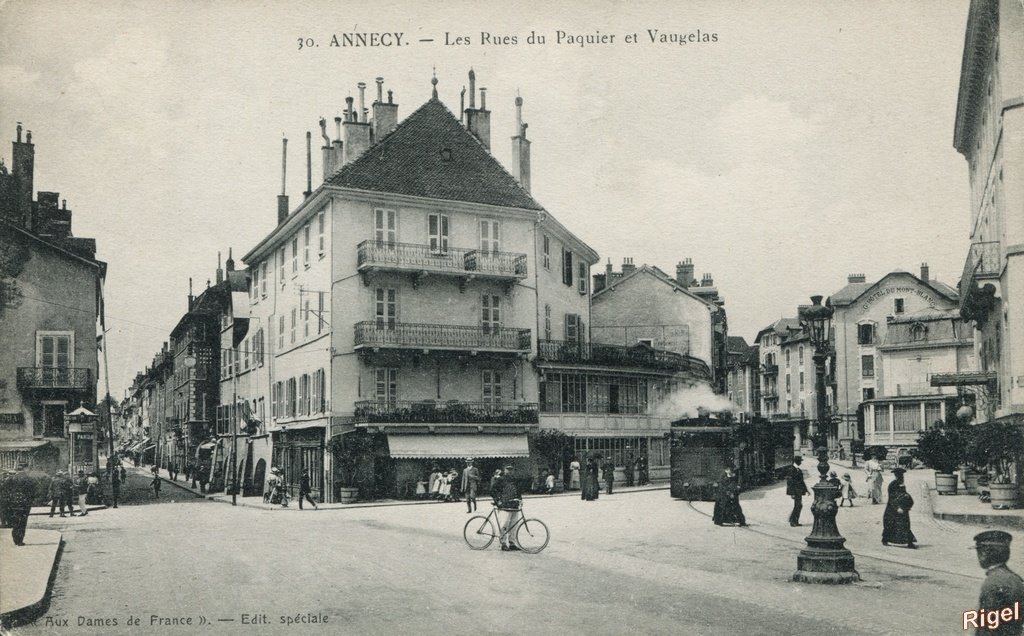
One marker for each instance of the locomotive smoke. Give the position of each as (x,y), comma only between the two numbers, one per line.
(686,402)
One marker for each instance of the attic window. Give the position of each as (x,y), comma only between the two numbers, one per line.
(918,331)
(446,154)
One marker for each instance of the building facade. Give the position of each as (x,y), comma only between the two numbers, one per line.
(914,350)
(864,313)
(50,302)
(989,133)
(403,298)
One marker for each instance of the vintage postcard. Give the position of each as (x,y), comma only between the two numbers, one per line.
(506,318)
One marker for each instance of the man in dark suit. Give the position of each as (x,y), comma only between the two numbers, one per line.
(1002,590)
(18,492)
(608,472)
(796,488)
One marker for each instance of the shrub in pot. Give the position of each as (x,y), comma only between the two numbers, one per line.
(1001,445)
(941,448)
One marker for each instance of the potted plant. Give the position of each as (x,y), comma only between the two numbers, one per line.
(975,460)
(1001,445)
(349,451)
(941,448)
(555,450)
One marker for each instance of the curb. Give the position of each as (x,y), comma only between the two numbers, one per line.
(1007,521)
(31,612)
(370,504)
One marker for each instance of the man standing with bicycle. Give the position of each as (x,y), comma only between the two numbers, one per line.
(510,502)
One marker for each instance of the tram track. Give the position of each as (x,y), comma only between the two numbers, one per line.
(753,529)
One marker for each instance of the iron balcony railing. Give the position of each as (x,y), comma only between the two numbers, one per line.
(769,369)
(983,259)
(567,352)
(450,412)
(453,260)
(770,394)
(424,336)
(79,379)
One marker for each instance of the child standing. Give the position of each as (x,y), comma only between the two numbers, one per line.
(846,488)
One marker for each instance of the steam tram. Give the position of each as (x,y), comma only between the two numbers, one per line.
(702,447)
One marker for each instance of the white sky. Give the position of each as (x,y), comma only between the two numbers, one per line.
(812,140)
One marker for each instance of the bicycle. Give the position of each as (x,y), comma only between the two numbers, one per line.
(530,535)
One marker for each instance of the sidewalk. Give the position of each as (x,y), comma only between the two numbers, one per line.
(960,508)
(26,574)
(257,502)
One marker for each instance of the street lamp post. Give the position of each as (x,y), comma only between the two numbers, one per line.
(825,559)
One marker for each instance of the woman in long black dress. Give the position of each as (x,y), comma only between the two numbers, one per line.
(896,520)
(590,483)
(727,501)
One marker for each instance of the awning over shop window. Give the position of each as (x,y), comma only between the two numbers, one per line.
(469,445)
(24,445)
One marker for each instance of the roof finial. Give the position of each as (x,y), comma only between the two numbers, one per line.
(433,81)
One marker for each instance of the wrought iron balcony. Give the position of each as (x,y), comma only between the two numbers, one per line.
(450,412)
(65,378)
(984,261)
(398,335)
(456,261)
(566,352)
(769,369)
(771,393)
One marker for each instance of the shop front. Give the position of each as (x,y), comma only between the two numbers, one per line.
(415,456)
(297,449)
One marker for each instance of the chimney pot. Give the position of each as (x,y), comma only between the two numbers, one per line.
(19,132)
(362,99)
(28,137)
(472,88)
(483,99)
(389,96)
(380,89)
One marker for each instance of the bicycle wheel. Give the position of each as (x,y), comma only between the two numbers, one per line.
(479,532)
(532,535)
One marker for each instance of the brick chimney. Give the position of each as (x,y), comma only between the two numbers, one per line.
(856,278)
(924,272)
(684,273)
(23,171)
(521,149)
(282,199)
(356,133)
(385,115)
(627,266)
(478,120)
(707,281)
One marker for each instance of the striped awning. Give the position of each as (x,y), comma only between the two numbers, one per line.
(447,445)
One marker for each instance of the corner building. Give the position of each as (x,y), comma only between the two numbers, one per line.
(401,300)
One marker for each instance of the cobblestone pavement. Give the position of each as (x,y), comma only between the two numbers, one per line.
(638,562)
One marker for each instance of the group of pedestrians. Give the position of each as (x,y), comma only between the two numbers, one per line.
(443,484)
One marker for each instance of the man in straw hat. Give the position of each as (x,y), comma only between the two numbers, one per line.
(1001,605)
(470,483)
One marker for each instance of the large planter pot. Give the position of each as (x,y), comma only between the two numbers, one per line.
(971,482)
(945,483)
(347,495)
(1004,496)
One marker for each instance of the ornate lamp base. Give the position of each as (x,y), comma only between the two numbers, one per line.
(825,560)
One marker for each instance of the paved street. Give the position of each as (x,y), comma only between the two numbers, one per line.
(634,561)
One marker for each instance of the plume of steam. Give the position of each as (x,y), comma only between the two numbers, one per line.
(688,401)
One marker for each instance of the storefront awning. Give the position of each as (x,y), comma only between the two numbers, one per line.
(23,445)
(469,445)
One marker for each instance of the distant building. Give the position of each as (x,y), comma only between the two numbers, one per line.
(915,349)
(989,133)
(864,313)
(787,387)
(743,376)
(50,301)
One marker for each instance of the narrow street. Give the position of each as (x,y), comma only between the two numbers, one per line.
(640,562)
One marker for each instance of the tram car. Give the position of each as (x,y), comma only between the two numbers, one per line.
(702,447)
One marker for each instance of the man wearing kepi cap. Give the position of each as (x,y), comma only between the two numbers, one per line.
(1001,606)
